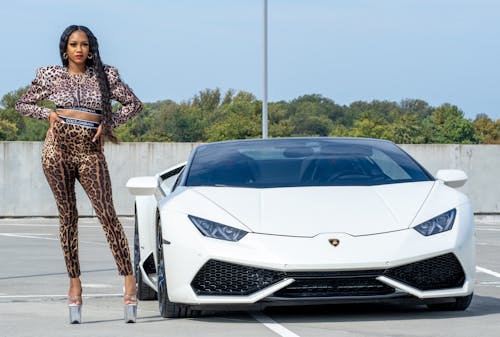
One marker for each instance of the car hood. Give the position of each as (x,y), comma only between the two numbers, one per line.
(309,211)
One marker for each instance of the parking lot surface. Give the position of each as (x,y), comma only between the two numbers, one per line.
(33,285)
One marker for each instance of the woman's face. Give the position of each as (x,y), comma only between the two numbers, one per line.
(78,47)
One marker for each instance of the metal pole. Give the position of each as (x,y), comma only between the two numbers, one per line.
(264,100)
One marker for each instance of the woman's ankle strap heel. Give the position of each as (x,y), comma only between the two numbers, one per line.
(130,308)
(75,309)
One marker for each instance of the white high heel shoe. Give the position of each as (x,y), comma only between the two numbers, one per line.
(130,308)
(75,309)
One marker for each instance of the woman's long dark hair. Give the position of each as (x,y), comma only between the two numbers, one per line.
(95,63)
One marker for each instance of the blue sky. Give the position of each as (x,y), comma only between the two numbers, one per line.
(347,50)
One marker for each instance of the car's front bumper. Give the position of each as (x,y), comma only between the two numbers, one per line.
(188,252)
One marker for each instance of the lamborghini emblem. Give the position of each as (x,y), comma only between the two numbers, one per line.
(334,242)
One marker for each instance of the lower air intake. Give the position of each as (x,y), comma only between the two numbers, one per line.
(222,278)
(439,272)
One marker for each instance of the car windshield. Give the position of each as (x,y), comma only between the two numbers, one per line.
(267,163)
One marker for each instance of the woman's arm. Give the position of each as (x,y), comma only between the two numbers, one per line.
(38,91)
(120,92)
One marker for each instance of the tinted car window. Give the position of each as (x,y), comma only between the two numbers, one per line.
(302,162)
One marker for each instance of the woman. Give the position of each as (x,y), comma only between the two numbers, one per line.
(82,90)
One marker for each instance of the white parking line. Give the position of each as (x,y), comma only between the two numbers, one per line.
(273,326)
(32,234)
(488,229)
(59,296)
(491,283)
(46,225)
(52,239)
(26,236)
(487,271)
(96,285)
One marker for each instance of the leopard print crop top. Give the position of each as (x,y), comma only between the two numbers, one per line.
(65,90)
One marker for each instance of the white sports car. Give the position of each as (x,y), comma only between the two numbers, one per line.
(253,223)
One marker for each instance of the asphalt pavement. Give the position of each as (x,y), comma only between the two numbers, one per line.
(33,285)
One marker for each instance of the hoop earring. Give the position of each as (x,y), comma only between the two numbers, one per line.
(65,56)
(89,56)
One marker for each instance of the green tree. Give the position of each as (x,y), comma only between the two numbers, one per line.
(448,125)
(239,119)
(207,100)
(339,130)
(234,126)
(406,130)
(160,120)
(187,124)
(8,130)
(211,115)
(138,128)
(375,110)
(26,128)
(306,123)
(313,115)
(278,123)
(316,104)
(486,130)
(416,106)
(369,127)
(34,130)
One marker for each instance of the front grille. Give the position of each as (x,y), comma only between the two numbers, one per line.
(439,272)
(223,278)
(335,284)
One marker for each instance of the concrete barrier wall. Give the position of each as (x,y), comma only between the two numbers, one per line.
(25,192)
(480,162)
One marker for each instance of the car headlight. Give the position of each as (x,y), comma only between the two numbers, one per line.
(441,223)
(216,230)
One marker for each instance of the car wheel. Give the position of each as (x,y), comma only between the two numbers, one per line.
(144,292)
(168,309)
(460,304)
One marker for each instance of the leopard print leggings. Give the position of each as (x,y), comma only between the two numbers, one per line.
(70,154)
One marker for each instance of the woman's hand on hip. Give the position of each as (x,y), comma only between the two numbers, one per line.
(53,118)
(99,138)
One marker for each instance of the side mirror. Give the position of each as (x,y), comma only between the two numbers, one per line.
(452,178)
(142,185)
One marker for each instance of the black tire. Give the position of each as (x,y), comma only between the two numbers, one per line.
(144,292)
(460,304)
(168,309)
